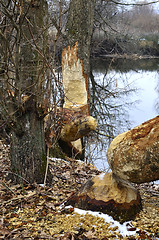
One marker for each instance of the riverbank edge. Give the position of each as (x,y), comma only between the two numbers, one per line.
(125,56)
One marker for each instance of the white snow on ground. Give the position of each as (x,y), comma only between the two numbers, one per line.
(122,227)
(108,219)
(156,182)
(101,176)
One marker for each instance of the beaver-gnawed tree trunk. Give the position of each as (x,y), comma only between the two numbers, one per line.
(76,56)
(79,29)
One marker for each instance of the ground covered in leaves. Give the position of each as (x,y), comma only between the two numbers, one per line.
(35,212)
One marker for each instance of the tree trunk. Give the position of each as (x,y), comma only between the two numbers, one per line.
(76,56)
(28,152)
(134,156)
(79,29)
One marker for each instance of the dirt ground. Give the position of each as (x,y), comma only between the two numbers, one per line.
(35,212)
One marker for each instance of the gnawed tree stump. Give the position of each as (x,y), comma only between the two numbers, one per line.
(67,125)
(134,155)
(75,73)
(72,122)
(78,128)
(109,194)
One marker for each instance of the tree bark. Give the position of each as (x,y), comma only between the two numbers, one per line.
(76,56)
(79,29)
(28,151)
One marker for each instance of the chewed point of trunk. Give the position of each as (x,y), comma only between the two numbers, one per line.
(78,128)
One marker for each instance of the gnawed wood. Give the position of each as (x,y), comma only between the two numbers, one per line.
(134,155)
(108,194)
(74,84)
(74,80)
(77,146)
(67,125)
(78,128)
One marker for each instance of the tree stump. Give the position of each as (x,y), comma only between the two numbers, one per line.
(109,194)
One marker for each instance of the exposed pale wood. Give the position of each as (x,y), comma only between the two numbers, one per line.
(134,155)
(72,125)
(78,128)
(109,194)
(74,80)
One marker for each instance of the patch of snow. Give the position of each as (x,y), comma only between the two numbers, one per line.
(108,219)
(63,206)
(156,182)
(41,184)
(56,159)
(101,176)
(27,125)
(80,161)
(122,227)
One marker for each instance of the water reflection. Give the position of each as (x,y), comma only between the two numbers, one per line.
(125,65)
(121,99)
(146,109)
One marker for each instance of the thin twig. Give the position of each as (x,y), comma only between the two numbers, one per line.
(47,164)
(134,4)
(8,188)
(17,175)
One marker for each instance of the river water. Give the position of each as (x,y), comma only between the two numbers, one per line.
(145,97)
(135,85)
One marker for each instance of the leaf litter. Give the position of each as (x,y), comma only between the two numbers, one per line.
(35,212)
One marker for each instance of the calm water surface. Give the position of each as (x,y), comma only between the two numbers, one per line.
(141,76)
(145,97)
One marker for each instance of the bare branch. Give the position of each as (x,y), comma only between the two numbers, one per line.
(7,13)
(134,4)
(2,36)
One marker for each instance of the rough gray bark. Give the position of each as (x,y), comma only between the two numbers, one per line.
(79,28)
(28,151)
